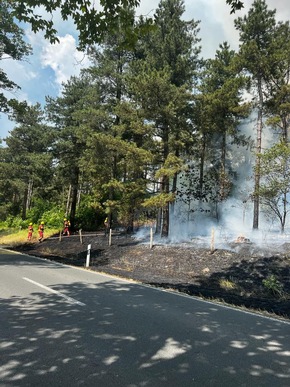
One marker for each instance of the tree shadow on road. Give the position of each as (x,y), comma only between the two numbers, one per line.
(130,335)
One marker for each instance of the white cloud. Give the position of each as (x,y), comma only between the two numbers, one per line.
(17,70)
(63,58)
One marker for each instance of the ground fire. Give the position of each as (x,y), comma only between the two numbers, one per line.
(242,239)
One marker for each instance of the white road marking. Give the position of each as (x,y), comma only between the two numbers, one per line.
(70,299)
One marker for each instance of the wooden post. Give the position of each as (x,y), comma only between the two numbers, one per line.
(88,256)
(81,237)
(212,241)
(151,238)
(60,236)
(110,237)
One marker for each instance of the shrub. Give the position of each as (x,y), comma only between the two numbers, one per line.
(273,285)
(15,222)
(88,218)
(52,218)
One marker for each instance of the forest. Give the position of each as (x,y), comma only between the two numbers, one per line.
(151,132)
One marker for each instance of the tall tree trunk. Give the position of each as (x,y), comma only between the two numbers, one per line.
(174,182)
(130,225)
(165,185)
(201,170)
(258,151)
(285,126)
(223,169)
(23,215)
(68,201)
(79,195)
(284,213)
(201,166)
(158,221)
(165,211)
(29,195)
(74,196)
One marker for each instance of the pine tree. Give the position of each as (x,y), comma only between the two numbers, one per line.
(278,78)
(27,160)
(166,77)
(256,33)
(222,108)
(115,153)
(69,144)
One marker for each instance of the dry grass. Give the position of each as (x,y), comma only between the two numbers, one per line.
(227,284)
(14,238)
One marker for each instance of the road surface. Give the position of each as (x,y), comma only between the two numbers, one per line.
(62,326)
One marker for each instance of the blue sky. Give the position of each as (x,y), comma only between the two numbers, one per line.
(44,71)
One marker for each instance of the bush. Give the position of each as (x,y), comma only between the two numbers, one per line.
(53,218)
(273,285)
(35,214)
(15,222)
(88,218)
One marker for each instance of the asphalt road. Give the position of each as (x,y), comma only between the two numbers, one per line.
(61,326)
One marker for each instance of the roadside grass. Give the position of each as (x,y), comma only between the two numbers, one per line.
(19,237)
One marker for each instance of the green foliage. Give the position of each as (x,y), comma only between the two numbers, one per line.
(277,104)
(89,216)
(52,218)
(34,214)
(160,84)
(26,162)
(236,5)
(273,285)
(159,200)
(93,25)
(172,166)
(12,45)
(15,222)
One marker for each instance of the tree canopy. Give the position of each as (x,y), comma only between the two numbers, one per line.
(92,24)
(12,45)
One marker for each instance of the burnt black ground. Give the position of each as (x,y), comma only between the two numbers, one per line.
(233,276)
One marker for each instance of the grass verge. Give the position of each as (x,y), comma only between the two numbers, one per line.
(18,237)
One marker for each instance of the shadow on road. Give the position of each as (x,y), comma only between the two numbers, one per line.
(125,337)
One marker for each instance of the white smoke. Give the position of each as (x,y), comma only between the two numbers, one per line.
(191,220)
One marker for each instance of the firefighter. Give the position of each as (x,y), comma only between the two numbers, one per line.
(40,231)
(30,231)
(66,226)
